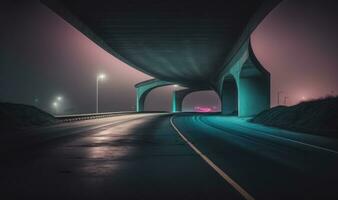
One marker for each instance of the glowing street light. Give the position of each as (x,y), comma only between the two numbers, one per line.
(100,77)
(59,98)
(55,104)
(36,101)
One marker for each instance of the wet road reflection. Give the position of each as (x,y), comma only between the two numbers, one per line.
(140,158)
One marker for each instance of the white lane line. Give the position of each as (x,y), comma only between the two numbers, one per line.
(302,143)
(227,178)
(283,138)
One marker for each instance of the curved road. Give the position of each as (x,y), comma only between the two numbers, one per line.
(160,156)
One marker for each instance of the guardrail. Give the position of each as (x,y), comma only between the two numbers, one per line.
(78,117)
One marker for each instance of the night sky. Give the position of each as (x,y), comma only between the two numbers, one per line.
(42,56)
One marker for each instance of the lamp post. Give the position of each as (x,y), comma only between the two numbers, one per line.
(278,96)
(98,78)
(285,100)
(56,105)
(173,101)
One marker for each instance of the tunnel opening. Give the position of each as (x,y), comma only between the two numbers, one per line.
(229,96)
(158,99)
(206,101)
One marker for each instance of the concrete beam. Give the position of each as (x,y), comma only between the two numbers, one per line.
(143,89)
(172,52)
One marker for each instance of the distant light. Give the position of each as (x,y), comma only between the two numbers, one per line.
(101,76)
(175,85)
(55,104)
(59,98)
(202,109)
(303,98)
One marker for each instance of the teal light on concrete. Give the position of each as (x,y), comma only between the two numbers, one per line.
(174,107)
(254,93)
(245,87)
(157,38)
(187,48)
(229,96)
(143,89)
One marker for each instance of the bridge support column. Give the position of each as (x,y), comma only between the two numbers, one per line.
(140,99)
(176,102)
(229,97)
(254,93)
(245,86)
(143,89)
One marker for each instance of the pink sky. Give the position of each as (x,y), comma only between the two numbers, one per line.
(43,56)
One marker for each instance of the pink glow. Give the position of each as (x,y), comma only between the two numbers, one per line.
(297,44)
(202,109)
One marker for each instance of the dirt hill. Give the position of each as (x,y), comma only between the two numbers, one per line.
(316,116)
(22,116)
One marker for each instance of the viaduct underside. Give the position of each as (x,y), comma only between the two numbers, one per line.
(195,44)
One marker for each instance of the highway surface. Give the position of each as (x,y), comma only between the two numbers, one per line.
(162,156)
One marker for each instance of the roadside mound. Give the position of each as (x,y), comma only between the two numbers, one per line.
(316,116)
(22,116)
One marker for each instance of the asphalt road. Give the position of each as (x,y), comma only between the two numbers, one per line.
(183,156)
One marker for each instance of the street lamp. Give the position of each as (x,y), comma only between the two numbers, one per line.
(285,100)
(56,106)
(36,101)
(100,77)
(278,96)
(59,98)
(57,103)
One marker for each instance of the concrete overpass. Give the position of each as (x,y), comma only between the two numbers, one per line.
(196,44)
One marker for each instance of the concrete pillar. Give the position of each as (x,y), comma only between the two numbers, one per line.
(140,99)
(254,94)
(229,97)
(253,87)
(245,86)
(175,106)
